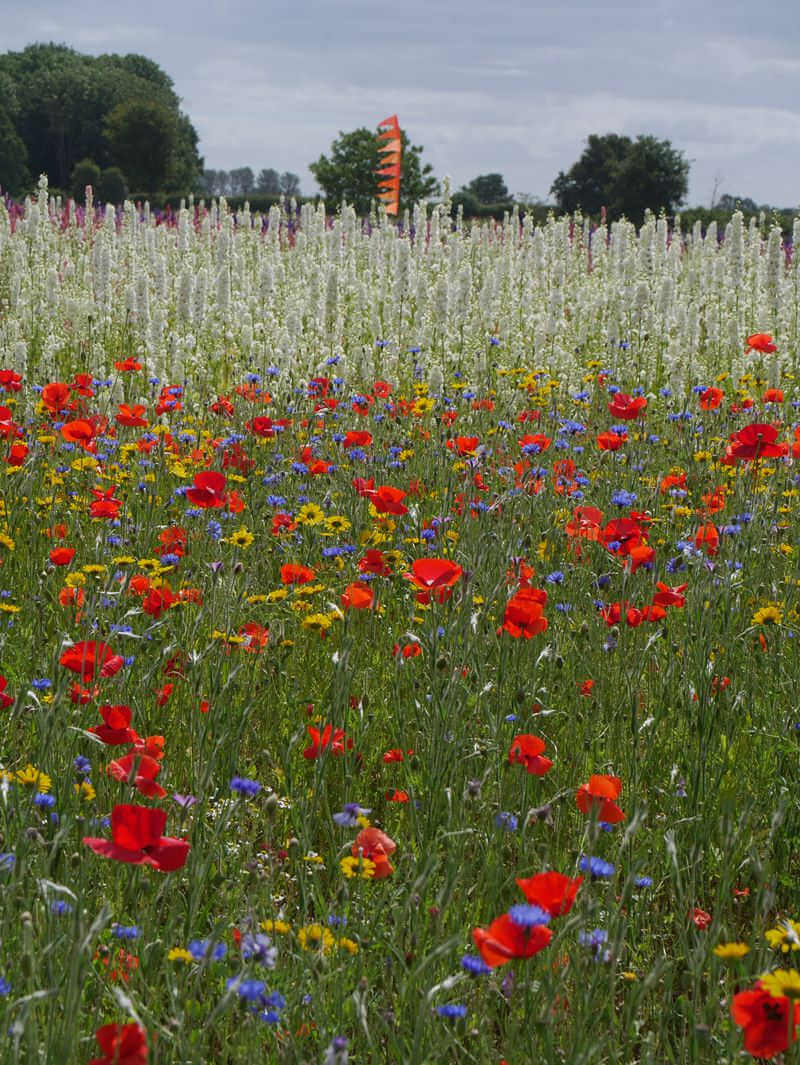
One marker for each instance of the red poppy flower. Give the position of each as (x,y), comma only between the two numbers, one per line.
(296,573)
(436,578)
(762,342)
(163,694)
(55,396)
(255,637)
(141,771)
(129,365)
(386,499)
(553,892)
(330,739)
(535,440)
(124,1044)
(376,846)
(769,1021)
(132,417)
(374,561)
(711,398)
(609,441)
(158,600)
(772,395)
(208,490)
(394,755)
(598,797)
(62,556)
(17,454)
(5,700)
(504,940)
(755,441)
(104,505)
(262,426)
(627,407)
(523,614)
(358,596)
(527,750)
(136,839)
(464,445)
(357,438)
(88,657)
(707,539)
(115,729)
(398,795)
(700,918)
(10,381)
(666,596)
(78,432)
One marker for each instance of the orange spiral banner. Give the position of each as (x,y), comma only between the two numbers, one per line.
(390,168)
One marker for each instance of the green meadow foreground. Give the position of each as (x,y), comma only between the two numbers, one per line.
(399,639)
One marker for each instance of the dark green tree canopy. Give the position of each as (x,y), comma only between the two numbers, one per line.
(350,172)
(142,135)
(62,101)
(488,188)
(626,177)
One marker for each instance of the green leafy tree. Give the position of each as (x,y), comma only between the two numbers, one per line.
(350,171)
(14,173)
(84,173)
(488,188)
(289,183)
(268,182)
(112,187)
(624,176)
(63,100)
(242,181)
(142,135)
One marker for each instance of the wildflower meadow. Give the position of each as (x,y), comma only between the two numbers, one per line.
(399,631)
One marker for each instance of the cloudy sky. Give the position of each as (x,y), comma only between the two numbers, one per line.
(514,87)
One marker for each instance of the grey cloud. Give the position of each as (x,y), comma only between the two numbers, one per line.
(511,87)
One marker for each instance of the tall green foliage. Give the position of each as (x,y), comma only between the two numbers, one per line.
(624,176)
(62,104)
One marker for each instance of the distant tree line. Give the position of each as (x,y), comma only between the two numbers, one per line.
(111,121)
(243,182)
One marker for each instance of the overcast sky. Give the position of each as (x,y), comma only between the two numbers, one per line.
(508,87)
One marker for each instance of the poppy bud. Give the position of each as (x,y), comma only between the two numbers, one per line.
(271,803)
(559,662)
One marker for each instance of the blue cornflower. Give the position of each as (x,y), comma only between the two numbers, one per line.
(623,498)
(123,931)
(60,908)
(249,990)
(204,949)
(243,786)
(452,1009)
(42,684)
(214,530)
(596,938)
(474,964)
(506,820)
(82,764)
(7,862)
(597,868)
(44,801)
(556,577)
(643,882)
(526,915)
(5,986)
(348,817)
(170,559)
